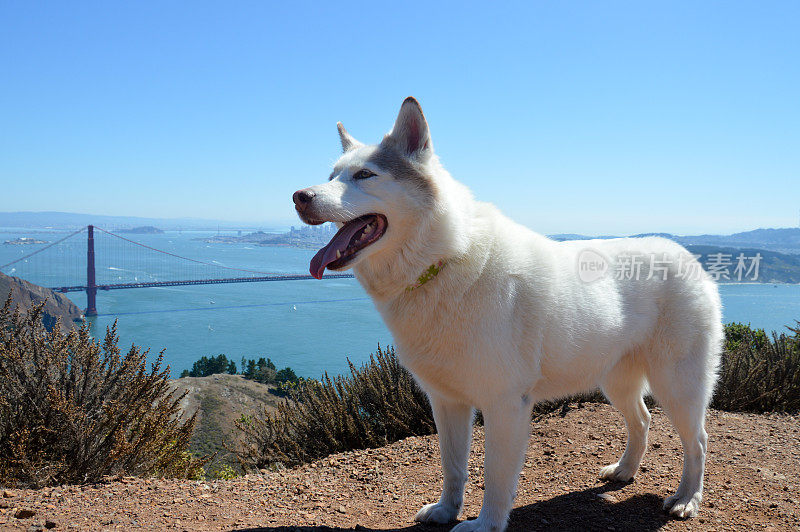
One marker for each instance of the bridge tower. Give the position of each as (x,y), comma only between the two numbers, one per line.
(91,283)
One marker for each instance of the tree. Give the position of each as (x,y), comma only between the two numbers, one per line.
(211,365)
(286,375)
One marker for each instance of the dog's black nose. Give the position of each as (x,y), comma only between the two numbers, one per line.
(302,198)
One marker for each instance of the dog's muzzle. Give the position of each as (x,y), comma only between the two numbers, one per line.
(302,199)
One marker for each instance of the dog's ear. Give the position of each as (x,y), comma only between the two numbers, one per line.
(348,142)
(410,131)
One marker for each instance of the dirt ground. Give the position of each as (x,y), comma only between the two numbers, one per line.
(752,483)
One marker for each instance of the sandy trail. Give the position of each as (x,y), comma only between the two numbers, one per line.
(752,482)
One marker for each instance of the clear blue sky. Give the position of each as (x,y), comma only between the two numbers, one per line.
(590,117)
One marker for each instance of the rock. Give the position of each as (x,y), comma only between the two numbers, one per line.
(24,513)
(605,497)
(8,494)
(50,524)
(342,509)
(26,295)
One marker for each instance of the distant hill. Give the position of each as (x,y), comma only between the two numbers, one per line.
(218,400)
(26,295)
(143,230)
(774,267)
(785,240)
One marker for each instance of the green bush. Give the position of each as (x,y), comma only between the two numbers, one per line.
(225,472)
(737,333)
(376,404)
(73,410)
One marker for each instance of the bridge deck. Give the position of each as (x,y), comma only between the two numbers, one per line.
(122,286)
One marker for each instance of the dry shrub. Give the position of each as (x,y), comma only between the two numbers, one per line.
(376,404)
(380,403)
(73,410)
(759,373)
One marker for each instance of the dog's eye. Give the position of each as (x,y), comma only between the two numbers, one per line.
(363,174)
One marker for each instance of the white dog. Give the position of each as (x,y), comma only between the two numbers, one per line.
(490,315)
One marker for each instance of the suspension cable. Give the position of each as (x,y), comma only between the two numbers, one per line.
(4,266)
(180,257)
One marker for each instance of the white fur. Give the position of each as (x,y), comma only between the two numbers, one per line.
(508,322)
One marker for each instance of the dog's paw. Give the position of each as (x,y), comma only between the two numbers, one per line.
(437,513)
(617,472)
(683,506)
(478,525)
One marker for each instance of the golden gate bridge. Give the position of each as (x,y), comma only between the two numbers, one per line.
(115,262)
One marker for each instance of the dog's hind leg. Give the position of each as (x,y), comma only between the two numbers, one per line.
(683,388)
(624,386)
(454,425)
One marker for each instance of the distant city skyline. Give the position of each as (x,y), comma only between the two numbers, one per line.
(573,118)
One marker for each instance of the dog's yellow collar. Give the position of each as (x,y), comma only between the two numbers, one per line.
(432,271)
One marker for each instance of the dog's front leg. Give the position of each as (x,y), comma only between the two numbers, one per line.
(454,425)
(507,424)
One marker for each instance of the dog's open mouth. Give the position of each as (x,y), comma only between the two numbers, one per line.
(354,236)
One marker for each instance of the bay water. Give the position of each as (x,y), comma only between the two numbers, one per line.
(311,326)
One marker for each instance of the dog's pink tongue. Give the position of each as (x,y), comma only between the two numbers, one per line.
(339,243)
